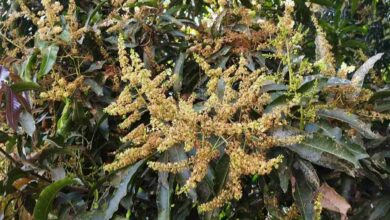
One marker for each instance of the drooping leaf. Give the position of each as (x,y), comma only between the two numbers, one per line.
(178,71)
(352,120)
(65,119)
(27,66)
(303,195)
(384,94)
(359,75)
(309,173)
(324,151)
(284,174)
(45,200)
(164,190)
(381,208)
(121,192)
(13,108)
(95,66)
(333,201)
(216,27)
(221,173)
(25,86)
(49,56)
(176,154)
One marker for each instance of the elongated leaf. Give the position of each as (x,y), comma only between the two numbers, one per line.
(343,151)
(221,173)
(381,208)
(25,86)
(45,200)
(385,94)
(284,174)
(177,154)
(49,56)
(216,27)
(352,120)
(122,190)
(326,152)
(164,190)
(360,74)
(13,108)
(303,195)
(178,71)
(27,66)
(65,119)
(309,173)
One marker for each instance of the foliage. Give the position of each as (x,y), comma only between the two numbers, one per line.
(194,109)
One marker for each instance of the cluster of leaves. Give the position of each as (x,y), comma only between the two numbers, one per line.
(60,69)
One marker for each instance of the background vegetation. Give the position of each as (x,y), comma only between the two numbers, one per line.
(321,62)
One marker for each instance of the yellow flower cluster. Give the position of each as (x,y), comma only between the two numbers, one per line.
(318,206)
(62,89)
(325,57)
(48,24)
(227,115)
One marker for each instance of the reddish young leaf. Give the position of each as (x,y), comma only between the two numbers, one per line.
(333,201)
(12,108)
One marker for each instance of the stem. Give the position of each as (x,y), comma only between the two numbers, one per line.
(290,71)
(19,164)
(302,122)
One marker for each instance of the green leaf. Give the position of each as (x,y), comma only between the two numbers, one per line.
(284,174)
(45,200)
(381,208)
(303,195)
(65,35)
(382,107)
(380,95)
(326,3)
(325,151)
(25,86)
(65,119)
(49,56)
(309,172)
(352,120)
(354,6)
(178,71)
(358,77)
(164,191)
(27,66)
(216,27)
(221,174)
(352,43)
(176,154)
(3,137)
(121,192)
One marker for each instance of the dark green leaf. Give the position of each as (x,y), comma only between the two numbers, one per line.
(164,190)
(303,195)
(326,152)
(45,200)
(121,192)
(352,120)
(25,86)
(178,71)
